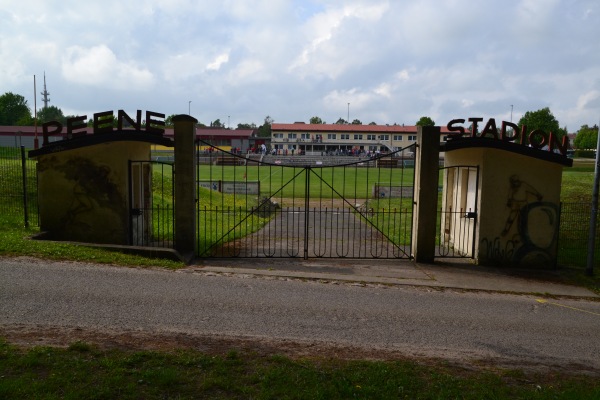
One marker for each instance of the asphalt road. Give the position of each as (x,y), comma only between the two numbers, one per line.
(513,329)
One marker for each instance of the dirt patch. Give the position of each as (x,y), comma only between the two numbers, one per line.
(28,337)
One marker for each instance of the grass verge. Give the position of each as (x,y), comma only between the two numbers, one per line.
(14,241)
(85,371)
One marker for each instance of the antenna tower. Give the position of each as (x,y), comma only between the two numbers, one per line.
(45,93)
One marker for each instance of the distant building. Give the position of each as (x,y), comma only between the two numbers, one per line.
(338,138)
(571,137)
(242,140)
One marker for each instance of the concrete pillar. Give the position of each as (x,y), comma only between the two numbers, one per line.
(185,185)
(426,193)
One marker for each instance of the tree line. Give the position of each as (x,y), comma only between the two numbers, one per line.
(14,111)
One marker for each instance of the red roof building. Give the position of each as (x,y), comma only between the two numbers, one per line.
(342,138)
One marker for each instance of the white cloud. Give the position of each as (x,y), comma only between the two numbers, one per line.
(394,61)
(98,66)
(218,61)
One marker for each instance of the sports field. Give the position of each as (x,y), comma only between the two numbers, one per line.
(351,182)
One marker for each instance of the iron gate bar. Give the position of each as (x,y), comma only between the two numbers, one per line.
(157,224)
(306,207)
(253,211)
(359,212)
(289,217)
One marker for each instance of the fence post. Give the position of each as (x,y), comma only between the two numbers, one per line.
(427,168)
(589,270)
(25,199)
(185,185)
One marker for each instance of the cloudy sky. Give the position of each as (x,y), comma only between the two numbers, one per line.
(393,61)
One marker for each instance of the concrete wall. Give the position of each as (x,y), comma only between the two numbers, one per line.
(518,207)
(84,194)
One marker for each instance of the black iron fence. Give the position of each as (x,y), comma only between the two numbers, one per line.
(305,206)
(574,235)
(19,205)
(151,204)
(18,186)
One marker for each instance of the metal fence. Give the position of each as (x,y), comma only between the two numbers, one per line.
(574,234)
(19,202)
(18,186)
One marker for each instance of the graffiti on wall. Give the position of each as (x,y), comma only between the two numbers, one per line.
(92,188)
(530,229)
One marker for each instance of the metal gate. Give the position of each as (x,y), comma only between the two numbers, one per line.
(151,204)
(457,216)
(270,205)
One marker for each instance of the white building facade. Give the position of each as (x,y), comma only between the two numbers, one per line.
(338,139)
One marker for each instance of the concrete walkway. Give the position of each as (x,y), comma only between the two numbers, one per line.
(451,274)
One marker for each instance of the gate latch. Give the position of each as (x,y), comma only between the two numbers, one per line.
(471,215)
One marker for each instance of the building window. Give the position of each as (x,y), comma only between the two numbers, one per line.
(305,136)
(345,136)
(384,137)
(445,138)
(278,135)
(398,138)
(331,136)
(371,137)
(291,136)
(357,137)
(412,137)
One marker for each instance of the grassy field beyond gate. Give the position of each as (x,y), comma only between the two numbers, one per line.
(326,182)
(225,217)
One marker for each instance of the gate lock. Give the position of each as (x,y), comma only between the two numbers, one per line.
(471,215)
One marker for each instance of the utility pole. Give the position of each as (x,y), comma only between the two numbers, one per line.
(45,94)
(36,143)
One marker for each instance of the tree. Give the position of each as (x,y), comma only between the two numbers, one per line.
(169,121)
(341,121)
(587,137)
(372,123)
(246,126)
(14,110)
(543,120)
(217,124)
(51,113)
(356,122)
(316,120)
(265,129)
(425,121)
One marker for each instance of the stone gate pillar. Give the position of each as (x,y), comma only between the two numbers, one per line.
(185,185)
(426,193)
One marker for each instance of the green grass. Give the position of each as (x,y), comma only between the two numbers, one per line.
(225,217)
(86,371)
(577,182)
(15,241)
(392,216)
(353,182)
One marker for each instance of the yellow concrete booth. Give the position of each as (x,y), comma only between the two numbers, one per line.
(84,192)
(507,198)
